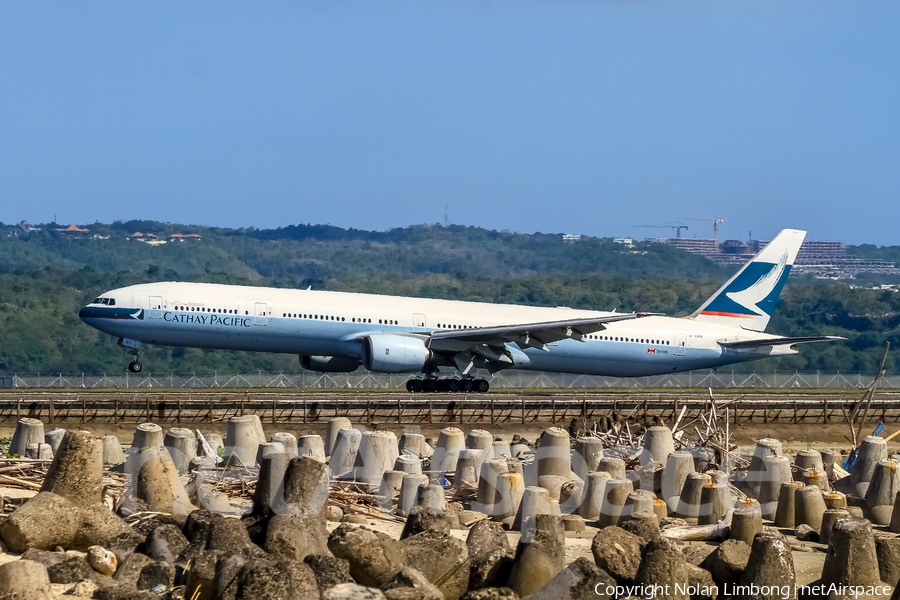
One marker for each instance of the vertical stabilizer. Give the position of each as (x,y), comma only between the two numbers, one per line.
(748,299)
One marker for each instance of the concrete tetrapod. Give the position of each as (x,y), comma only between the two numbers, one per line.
(414,444)
(746,522)
(535,501)
(112,451)
(678,466)
(428,512)
(311,445)
(658,445)
(784,513)
(241,441)
(777,470)
(554,462)
(715,500)
(689,501)
(770,567)
(409,464)
(594,492)
(409,490)
(757,472)
(810,460)
(466,469)
(835,500)
(872,450)
(479,439)
(510,489)
(155,480)
(28,431)
(331,433)
(269,490)
(76,472)
(664,565)
(851,559)
(613,508)
(829,459)
(289,441)
(450,442)
(586,456)
(895,515)
(54,437)
(540,555)
(182,446)
(68,511)
(487,485)
(816,478)
(829,518)
(391,483)
(809,506)
(377,454)
(614,466)
(345,449)
(883,491)
(147,435)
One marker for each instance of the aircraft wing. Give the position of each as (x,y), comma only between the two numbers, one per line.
(779,341)
(538,333)
(486,346)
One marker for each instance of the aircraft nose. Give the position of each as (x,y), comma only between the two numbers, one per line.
(84,314)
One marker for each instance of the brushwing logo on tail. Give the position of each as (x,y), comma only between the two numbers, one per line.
(753,293)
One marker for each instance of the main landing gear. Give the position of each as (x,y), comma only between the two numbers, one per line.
(450,384)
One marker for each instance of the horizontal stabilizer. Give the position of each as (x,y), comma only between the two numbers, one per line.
(779,341)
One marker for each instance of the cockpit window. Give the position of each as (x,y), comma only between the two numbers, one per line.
(106,301)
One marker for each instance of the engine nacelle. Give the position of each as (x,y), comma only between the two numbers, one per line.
(388,353)
(329,364)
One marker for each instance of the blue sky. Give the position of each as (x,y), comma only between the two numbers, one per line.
(580,117)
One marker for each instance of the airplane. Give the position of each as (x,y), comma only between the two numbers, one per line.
(341,331)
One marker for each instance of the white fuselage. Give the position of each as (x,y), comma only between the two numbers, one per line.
(307,322)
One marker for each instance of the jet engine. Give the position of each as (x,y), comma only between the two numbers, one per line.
(329,364)
(388,353)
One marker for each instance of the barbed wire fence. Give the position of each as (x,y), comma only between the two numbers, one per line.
(505,380)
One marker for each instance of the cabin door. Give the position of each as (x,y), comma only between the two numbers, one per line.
(155,307)
(419,321)
(260,313)
(680,343)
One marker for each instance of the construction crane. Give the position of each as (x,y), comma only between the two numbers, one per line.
(715,223)
(678,227)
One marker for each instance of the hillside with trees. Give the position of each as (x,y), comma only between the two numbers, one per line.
(46,276)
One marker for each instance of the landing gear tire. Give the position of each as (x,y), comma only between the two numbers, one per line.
(453,385)
(416,385)
(467,385)
(482,386)
(409,385)
(135,367)
(430,385)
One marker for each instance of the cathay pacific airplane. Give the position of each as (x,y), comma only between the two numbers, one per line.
(339,331)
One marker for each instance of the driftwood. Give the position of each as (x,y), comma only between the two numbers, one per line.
(699,533)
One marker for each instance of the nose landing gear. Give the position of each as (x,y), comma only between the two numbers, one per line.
(132,347)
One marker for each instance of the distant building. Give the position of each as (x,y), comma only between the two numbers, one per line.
(180,237)
(822,259)
(23,227)
(142,237)
(627,242)
(571,237)
(72,230)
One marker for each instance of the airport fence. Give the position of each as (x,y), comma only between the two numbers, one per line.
(506,379)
